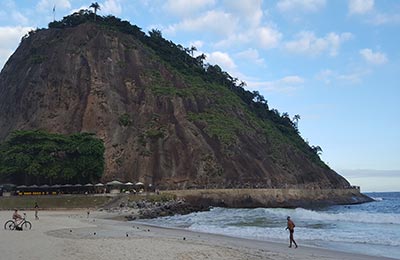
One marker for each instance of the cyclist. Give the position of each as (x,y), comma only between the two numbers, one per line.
(17,218)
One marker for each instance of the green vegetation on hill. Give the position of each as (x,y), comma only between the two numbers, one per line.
(225,94)
(37,157)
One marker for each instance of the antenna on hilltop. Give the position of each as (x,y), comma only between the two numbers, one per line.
(54,13)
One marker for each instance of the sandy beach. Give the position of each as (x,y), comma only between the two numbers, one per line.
(72,235)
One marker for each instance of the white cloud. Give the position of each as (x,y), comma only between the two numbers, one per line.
(286,84)
(249,12)
(354,77)
(360,6)
(47,5)
(220,23)
(350,78)
(291,80)
(268,37)
(222,59)
(111,7)
(251,55)
(186,8)
(11,13)
(384,18)
(326,76)
(307,43)
(19,18)
(376,58)
(197,44)
(265,37)
(301,5)
(9,40)
(372,16)
(239,22)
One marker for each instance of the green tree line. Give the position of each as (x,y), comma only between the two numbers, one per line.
(38,157)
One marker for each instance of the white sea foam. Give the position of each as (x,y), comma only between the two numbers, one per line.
(357,217)
(279,234)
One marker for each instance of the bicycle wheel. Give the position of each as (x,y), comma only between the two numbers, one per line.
(9,225)
(26,225)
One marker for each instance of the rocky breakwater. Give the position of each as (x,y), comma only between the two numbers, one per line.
(270,198)
(182,202)
(148,210)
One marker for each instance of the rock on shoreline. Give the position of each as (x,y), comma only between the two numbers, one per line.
(189,201)
(149,210)
(271,198)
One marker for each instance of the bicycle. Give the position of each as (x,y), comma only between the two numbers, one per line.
(24,224)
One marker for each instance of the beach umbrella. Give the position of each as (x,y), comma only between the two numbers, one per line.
(78,185)
(99,185)
(139,183)
(129,184)
(66,185)
(33,186)
(56,186)
(44,186)
(89,185)
(9,185)
(114,183)
(22,187)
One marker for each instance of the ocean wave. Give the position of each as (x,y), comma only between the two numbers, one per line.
(280,235)
(357,217)
(269,224)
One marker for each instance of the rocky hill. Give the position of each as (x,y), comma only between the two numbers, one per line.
(166,118)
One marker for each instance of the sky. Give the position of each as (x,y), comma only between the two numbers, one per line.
(336,63)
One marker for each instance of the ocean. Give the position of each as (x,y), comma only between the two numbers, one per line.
(370,228)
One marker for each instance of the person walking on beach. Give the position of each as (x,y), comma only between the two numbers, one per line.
(290,227)
(36,211)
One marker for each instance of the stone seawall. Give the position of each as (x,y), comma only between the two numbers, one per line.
(271,198)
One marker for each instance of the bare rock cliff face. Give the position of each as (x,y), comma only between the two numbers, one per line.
(90,79)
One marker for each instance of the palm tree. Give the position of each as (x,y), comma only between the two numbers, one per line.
(200,59)
(316,149)
(296,119)
(192,49)
(95,7)
(187,50)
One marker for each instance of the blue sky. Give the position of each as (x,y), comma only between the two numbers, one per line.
(335,63)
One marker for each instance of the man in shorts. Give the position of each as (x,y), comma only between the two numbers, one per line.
(290,227)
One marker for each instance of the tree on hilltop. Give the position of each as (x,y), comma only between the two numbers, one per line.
(192,49)
(296,119)
(316,149)
(95,7)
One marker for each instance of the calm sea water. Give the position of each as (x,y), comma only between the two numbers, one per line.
(371,228)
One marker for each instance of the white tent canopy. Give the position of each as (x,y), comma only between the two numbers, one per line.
(114,183)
